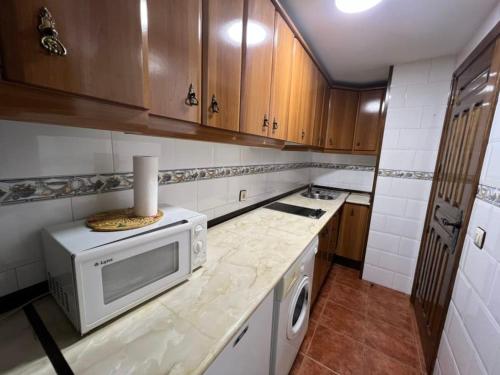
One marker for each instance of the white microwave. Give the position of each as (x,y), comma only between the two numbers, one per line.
(95,276)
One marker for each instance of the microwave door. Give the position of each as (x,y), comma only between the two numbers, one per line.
(115,277)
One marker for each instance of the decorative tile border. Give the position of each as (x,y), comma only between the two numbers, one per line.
(414,175)
(349,167)
(489,194)
(22,190)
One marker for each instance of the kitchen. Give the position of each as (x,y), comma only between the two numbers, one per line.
(249,187)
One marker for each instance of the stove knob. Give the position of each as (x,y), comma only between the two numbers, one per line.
(198,246)
(198,229)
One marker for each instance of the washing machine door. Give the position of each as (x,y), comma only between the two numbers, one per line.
(298,316)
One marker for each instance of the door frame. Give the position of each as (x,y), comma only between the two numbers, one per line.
(488,40)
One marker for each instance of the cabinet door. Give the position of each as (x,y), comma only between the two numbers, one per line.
(103,42)
(174,35)
(249,351)
(321,262)
(342,119)
(319,105)
(281,78)
(294,133)
(353,228)
(222,39)
(257,67)
(334,235)
(308,95)
(368,123)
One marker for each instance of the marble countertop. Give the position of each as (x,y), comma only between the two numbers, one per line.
(183,330)
(359,198)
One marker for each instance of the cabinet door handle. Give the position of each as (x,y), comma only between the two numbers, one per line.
(275,124)
(240,336)
(330,142)
(49,37)
(358,144)
(303,134)
(265,123)
(214,105)
(191,96)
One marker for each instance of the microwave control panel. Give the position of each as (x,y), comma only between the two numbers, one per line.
(199,242)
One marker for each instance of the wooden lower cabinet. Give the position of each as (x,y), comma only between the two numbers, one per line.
(352,234)
(326,250)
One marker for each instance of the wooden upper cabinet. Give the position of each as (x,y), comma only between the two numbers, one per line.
(174,35)
(99,51)
(281,78)
(308,95)
(222,43)
(294,133)
(320,117)
(342,119)
(301,97)
(257,68)
(368,123)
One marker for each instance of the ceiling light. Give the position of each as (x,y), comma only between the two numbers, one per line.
(355,6)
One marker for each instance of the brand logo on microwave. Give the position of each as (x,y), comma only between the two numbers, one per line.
(103,262)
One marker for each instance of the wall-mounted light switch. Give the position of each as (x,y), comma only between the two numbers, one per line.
(243,195)
(479,236)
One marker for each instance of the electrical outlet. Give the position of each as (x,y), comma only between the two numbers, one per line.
(243,195)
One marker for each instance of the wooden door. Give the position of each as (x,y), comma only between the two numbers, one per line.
(174,35)
(463,143)
(99,51)
(257,67)
(368,122)
(222,42)
(281,78)
(294,133)
(342,119)
(353,229)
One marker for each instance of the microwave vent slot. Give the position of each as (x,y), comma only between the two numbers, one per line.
(58,292)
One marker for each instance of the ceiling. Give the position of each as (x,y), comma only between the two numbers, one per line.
(359,48)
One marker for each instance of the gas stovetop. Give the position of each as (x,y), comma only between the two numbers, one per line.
(296,210)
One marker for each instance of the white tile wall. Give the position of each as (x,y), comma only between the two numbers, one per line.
(415,117)
(31,150)
(395,231)
(343,178)
(471,340)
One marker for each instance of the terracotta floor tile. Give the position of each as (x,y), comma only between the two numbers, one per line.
(317,308)
(392,342)
(390,313)
(338,352)
(389,330)
(311,367)
(343,320)
(296,364)
(352,280)
(382,294)
(351,298)
(377,363)
(308,338)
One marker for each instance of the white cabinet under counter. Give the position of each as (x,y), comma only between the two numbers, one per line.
(249,351)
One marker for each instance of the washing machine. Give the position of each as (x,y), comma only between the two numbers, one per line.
(292,303)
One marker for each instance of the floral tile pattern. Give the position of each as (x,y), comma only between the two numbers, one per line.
(489,194)
(415,175)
